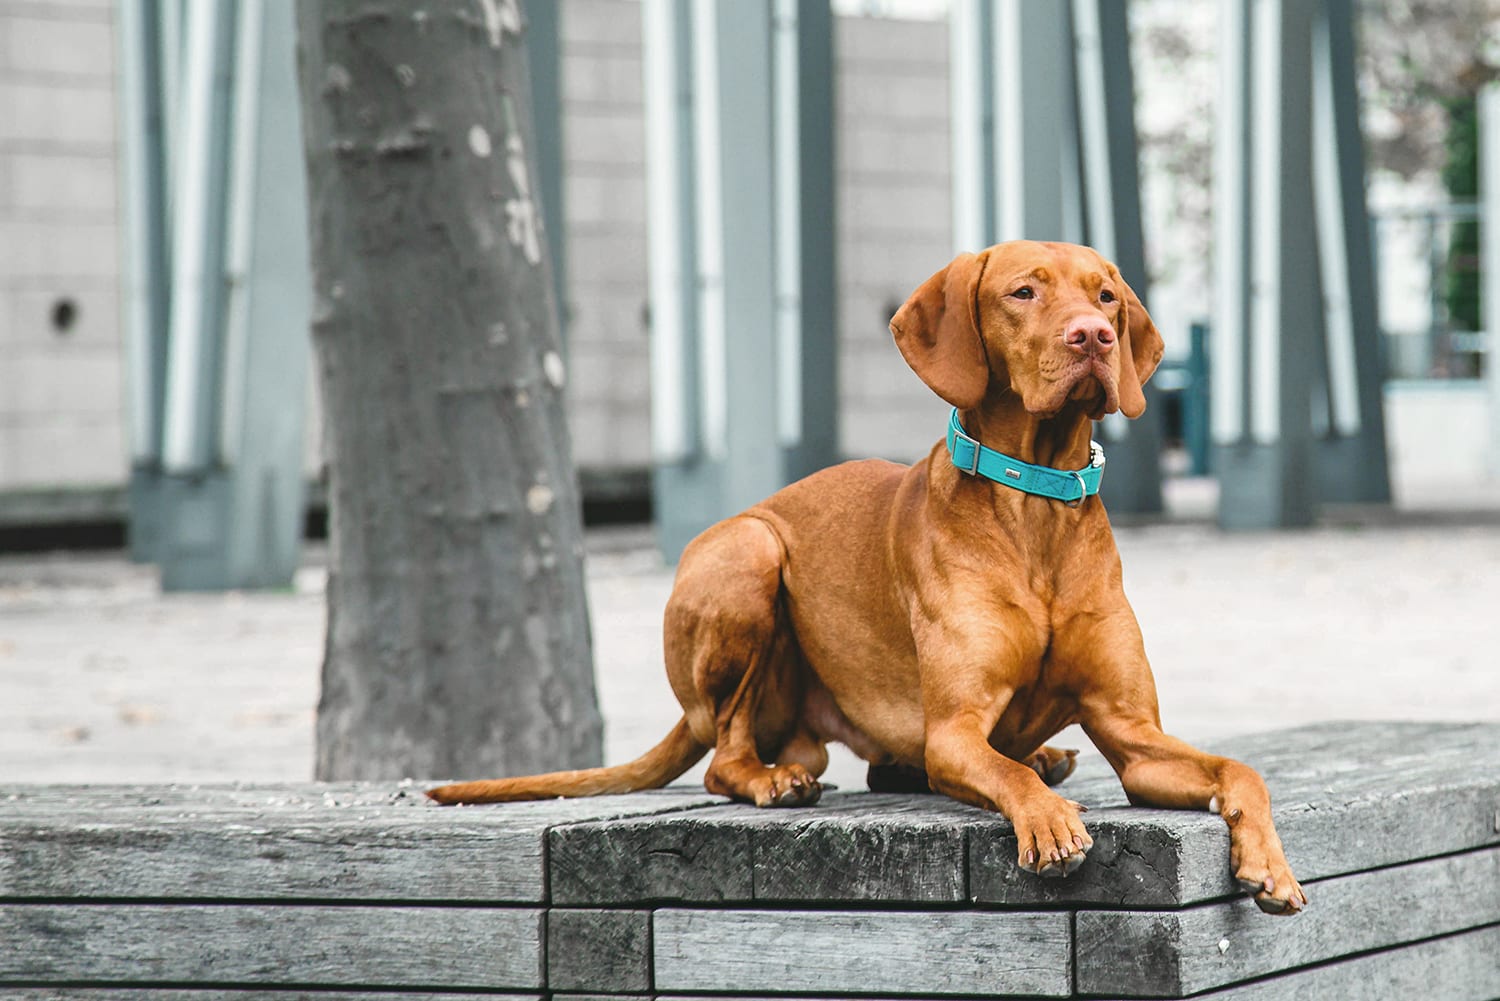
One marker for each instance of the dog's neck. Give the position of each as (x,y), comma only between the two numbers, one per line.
(1003,424)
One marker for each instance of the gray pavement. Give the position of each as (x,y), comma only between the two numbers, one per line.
(105,679)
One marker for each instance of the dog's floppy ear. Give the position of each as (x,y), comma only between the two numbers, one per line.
(1142,352)
(937,331)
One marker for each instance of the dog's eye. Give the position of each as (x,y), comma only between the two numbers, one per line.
(1106,296)
(1024,292)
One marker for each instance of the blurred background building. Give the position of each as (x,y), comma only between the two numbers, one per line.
(64,455)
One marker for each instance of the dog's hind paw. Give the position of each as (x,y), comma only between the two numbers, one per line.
(897,778)
(786,785)
(1053,765)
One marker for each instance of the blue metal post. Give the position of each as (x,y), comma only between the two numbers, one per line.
(739,180)
(1352,453)
(228,279)
(146,263)
(1108,164)
(544,58)
(1269,315)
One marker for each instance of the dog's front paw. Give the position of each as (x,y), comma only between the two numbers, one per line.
(1050,838)
(1261,869)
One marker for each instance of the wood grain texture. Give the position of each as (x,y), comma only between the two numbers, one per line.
(891,849)
(598,950)
(860,846)
(1460,967)
(677,857)
(1176,953)
(458,947)
(1346,797)
(156,993)
(828,952)
(368,843)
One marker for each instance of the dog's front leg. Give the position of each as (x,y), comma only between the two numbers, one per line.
(1050,837)
(1121,717)
(1159,770)
(1117,699)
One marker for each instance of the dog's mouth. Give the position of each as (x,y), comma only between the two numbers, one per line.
(1091,385)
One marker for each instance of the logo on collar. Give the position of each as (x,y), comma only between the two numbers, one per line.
(1068,486)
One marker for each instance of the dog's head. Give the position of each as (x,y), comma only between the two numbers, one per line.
(1053,322)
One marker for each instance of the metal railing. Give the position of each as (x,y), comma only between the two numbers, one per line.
(1415,251)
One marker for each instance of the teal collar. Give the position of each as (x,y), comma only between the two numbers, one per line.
(1066,485)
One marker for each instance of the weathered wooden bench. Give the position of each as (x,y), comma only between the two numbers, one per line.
(217,892)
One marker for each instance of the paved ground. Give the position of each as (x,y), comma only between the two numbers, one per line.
(102,678)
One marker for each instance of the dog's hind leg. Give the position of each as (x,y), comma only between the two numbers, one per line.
(805,748)
(734,664)
(1051,765)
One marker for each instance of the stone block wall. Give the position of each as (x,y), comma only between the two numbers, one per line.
(62,357)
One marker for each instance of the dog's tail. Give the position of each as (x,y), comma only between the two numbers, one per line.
(677,752)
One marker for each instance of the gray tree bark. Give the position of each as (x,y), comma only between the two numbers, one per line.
(458,640)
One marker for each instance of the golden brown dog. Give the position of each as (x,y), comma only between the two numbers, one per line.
(938,620)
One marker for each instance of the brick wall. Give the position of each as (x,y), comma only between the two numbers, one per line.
(894,222)
(604,198)
(61,383)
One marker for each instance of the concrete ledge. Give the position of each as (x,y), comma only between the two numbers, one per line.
(195,893)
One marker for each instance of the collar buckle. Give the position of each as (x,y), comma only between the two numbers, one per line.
(972,469)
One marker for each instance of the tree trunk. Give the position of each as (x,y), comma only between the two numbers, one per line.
(458,640)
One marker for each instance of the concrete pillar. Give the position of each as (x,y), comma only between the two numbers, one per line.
(1015,136)
(1351,454)
(544,58)
(739,182)
(218,501)
(1044,148)
(1108,165)
(1489,256)
(144,291)
(1269,316)
(807,294)
(971,96)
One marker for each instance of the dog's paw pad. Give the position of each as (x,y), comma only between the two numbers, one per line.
(788,785)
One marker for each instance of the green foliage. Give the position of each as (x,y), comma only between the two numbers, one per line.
(1461,177)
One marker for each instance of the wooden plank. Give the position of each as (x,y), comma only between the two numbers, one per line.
(887,848)
(860,846)
(457,947)
(403,859)
(598,950)
(676,857)
(328,799)
(1347,797)
(155,993)
(884,952)
(1175,953)
(1456,968)
(346,843)
(1140,858)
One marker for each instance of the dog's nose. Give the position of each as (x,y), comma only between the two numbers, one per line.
(1090,335)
